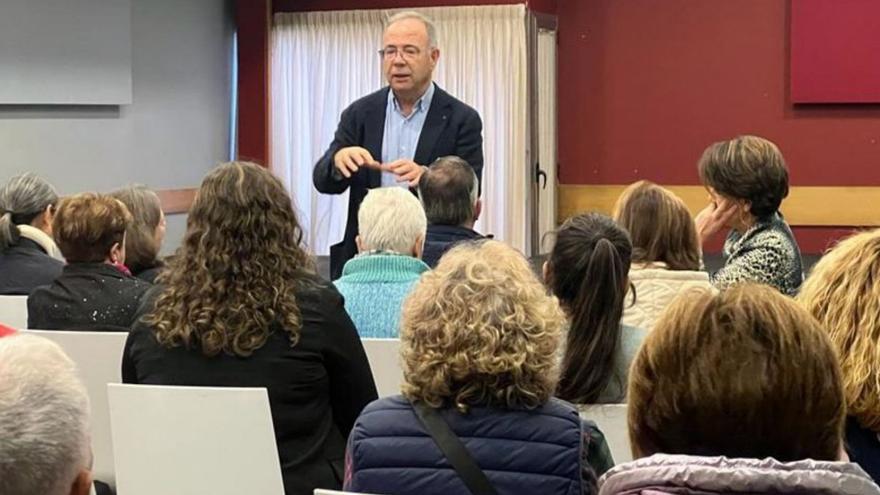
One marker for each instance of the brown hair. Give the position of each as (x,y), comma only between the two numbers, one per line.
(660,226)
(141,245)
(480,330)
(587,271)
(237,272)
(744,373)
(843,292)
(87,225)
(748,168)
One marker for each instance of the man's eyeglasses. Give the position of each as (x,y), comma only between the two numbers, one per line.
(408,52)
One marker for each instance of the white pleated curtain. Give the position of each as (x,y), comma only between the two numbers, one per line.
(323,61)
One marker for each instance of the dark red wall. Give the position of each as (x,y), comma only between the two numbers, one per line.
(547,6)
(645,86)
(252,18)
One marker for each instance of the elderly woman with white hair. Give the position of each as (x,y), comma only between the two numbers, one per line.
(44,410)
(391,236)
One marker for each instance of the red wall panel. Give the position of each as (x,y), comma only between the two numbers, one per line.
(835,51)
(645,86)
(252,24)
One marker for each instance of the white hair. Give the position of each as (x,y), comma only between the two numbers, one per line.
(391,219)
(412,14)
(44,418)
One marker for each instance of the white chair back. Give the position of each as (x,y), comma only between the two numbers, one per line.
(384,357)
(13,311)
(98,357)
(193,441)
(611,420)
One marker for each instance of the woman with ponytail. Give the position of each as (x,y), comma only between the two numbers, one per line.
(28,255)
(587,271)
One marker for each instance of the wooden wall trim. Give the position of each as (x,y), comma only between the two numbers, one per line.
(176,200)
(805,206)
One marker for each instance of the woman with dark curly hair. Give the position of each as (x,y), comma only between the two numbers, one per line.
(747,180)
(241,306)
(479,348)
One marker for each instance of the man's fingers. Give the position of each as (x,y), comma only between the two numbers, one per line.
(350,164)
(408,176)
(342,167)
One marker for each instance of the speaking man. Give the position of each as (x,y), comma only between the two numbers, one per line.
(386,138)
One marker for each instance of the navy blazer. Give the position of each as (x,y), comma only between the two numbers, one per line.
(451,128)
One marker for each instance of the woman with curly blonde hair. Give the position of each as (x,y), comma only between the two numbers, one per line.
(479,348)
(843,293)
(241,306)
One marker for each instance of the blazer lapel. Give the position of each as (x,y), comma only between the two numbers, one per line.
(435,123)
(374,132)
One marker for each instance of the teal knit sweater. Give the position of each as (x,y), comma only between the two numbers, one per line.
(374,287)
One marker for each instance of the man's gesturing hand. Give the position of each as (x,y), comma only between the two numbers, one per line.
(406,171)
(349,160)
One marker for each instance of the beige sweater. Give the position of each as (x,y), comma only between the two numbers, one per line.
(655,287)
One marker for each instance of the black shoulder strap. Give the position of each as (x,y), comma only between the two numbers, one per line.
(456,453)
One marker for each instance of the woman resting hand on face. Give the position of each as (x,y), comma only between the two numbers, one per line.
(747,180)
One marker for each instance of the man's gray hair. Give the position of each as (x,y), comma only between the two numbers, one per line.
(391,219)
(411,14)
(44,418)
(448,191)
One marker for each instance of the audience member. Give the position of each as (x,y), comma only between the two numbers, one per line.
(44,420)
(144,236)
(28,255)
(747,180)
(737,392)
(843,293)
(241,306)
(666,251)
(587,271)
(479,340)
(449,191)
(374,283)
(95,290)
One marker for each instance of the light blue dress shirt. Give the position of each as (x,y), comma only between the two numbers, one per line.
(402,133)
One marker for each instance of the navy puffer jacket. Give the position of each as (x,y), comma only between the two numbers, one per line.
(521,452)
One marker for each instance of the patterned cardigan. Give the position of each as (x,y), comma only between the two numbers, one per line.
(767,253)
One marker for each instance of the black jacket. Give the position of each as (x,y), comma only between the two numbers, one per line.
(316,388)
(451,128)
(440,238)
(26,266)
(87,296)
(863,447)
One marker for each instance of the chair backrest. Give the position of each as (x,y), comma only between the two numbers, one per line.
(384,357)
(98,357)
(13,311)
(193,441)
(611,420)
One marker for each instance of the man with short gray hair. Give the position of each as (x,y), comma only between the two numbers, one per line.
(44,420)
(384,139)
(449,194)
(376,281)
